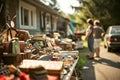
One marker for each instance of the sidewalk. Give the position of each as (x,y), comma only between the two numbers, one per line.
(105,68)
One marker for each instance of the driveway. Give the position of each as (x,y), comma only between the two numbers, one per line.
(105,68)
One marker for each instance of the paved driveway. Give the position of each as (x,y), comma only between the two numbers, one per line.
(105,68)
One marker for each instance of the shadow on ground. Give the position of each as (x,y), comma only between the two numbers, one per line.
(89,74)
(108,62)
(116,52)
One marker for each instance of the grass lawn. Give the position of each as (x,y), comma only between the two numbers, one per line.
(82,56)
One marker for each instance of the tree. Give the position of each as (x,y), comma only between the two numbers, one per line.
(106,11)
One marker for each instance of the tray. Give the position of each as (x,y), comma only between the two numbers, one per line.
(52,67)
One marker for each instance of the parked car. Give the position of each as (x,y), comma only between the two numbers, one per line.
(112,38)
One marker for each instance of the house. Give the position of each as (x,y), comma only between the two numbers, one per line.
(31,15)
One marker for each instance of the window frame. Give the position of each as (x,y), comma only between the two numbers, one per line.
(48,22)
(32,21)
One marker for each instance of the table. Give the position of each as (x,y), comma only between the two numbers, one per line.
(69,74)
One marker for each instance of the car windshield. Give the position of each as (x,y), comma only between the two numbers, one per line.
(115,30)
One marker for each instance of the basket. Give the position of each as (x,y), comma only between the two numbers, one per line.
(1,49)
(15,59)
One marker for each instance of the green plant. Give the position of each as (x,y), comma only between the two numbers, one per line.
(82,59)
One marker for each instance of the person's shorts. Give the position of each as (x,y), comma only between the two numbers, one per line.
(97,43)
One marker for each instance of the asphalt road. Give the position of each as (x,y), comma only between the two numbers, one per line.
(105,68)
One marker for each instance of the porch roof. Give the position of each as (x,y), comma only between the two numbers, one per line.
(43,7)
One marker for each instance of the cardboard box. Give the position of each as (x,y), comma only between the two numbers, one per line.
(52,67)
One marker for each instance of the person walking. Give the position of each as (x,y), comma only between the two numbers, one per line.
(98,34)
(90,39)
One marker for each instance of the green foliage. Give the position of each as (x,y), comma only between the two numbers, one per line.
(82,56)
(106,11)
(81,62)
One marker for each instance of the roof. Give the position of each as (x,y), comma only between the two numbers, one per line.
(43,7)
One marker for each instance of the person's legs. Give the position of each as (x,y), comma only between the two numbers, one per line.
(97,47)
(91,55)
(97,50)
(91,48)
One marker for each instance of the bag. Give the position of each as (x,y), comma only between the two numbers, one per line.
(14,47)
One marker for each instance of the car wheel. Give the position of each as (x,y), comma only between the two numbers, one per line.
(105,46)
(109,49)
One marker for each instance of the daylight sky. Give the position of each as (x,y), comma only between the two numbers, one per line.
(65,5)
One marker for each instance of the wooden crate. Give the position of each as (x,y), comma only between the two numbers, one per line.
(52,67)
(15,59)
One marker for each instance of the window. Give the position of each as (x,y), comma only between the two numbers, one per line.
(115,30)
(48,24)
(27,16)
(54,23)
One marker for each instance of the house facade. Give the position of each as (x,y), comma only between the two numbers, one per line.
(31,15)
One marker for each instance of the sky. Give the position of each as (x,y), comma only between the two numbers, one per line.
(65,5)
